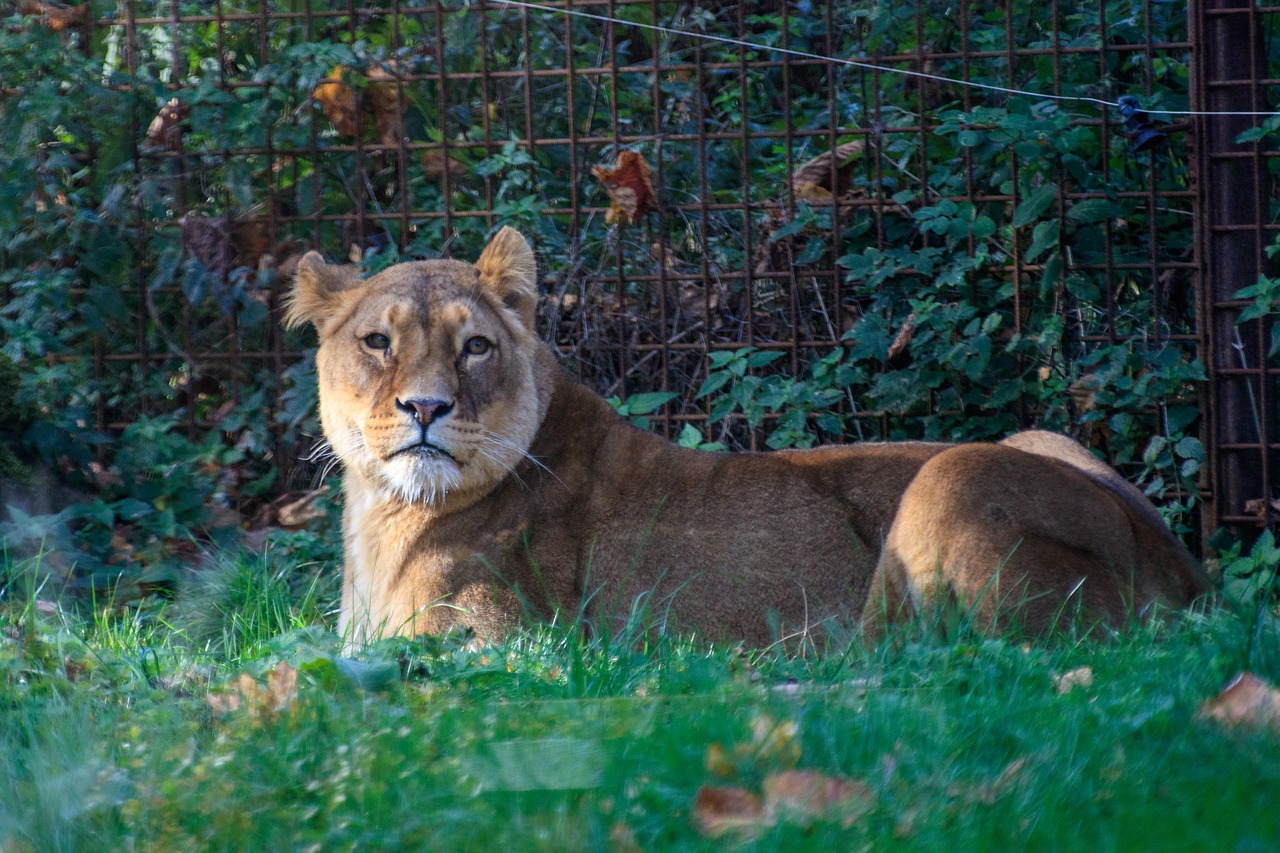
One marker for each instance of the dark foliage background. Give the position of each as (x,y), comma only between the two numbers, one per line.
(968,262)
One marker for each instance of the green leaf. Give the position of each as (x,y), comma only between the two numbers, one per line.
(1052,274)
(714,382)
(689,437)
(643,404)
(760,359)
(812,252)
(1189,447)
(1045,236)
(983,227)
(1093,210)
(720,358)
(1035,204)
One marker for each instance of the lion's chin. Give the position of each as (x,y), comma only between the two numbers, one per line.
(426,477)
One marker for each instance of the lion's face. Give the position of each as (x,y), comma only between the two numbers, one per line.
(426,370)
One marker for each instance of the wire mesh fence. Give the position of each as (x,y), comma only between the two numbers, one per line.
(758,224)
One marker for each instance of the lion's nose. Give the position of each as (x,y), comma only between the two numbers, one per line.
(425,411)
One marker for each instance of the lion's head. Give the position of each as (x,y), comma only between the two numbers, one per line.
(427,370)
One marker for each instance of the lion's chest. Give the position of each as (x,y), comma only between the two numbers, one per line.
(408,571)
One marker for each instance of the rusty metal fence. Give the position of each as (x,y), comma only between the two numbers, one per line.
(1000,202)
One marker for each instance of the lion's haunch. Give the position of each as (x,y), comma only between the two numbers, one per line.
(483,487)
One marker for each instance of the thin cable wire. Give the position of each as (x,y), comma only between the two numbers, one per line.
(854,63)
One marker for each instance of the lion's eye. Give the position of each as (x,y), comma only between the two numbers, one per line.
(377,341)
(477,346)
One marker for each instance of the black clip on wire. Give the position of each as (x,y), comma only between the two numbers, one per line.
(1141,131)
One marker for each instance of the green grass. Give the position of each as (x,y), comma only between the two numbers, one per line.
(552,741)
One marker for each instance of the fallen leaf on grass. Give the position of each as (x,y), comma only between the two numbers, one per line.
(1081,676)
(629,186)
(771,742)
(800,796)
(988,792)
(280,694)
(718,811)
(808,794)
(622,839)
(1247,701)
(775,741)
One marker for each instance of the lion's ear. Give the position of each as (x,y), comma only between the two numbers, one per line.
(508,269)
(316,286)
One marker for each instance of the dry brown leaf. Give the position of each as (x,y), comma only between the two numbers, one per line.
(622,839)
(384,98)
(1081,676)
(282,689)
(988,792)
(1084,393)
(809,794)
(338,102)
(435,163)
(817,182)
(55,16)
(629,186)
(1247,701)
(719,761)
(1258,507)
(280,694)
(774,741)
(165,131)
(902,340)
(664,256)
(717,811)
(300,512)
(381,97)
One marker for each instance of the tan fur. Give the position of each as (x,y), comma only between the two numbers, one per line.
(534,498)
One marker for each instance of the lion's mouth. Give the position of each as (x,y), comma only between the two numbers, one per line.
(423,448)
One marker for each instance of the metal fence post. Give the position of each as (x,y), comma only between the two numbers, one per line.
(1233,183)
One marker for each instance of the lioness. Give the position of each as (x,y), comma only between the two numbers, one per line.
(483,484)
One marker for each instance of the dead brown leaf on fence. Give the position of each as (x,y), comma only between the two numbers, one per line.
(436,163)
(629,185)
(829,176)
(380,98)
(55,16)
(166,129)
